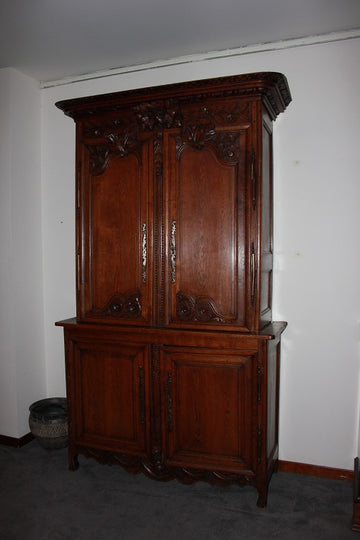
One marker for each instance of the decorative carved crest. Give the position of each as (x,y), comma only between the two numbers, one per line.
(119,144)
(158,115)
(198,136)
(124,143)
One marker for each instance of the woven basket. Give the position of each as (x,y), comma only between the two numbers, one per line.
(48,422)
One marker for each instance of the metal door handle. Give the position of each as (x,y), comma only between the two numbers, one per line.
(144,251)
(173,252)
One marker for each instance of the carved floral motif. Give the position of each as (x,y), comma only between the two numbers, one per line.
(158,115)
(119,137)
(198,136)
(117,145)
(228,146)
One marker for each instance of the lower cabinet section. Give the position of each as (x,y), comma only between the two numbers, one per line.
(172,404)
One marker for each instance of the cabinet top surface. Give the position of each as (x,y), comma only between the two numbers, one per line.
(270,332)
(270,86)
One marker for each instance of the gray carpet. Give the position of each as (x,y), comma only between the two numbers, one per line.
(42,500)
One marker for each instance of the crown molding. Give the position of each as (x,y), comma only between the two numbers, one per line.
(212,55)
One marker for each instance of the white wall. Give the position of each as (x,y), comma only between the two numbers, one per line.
(317,256)
(22,363)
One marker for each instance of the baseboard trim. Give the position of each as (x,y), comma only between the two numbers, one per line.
(316,470)
(17,443)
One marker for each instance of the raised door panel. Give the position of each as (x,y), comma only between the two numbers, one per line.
(109,392)
(115,235)
(207,246)
(211,410)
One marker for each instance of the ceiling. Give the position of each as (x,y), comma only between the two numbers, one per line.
(54,39)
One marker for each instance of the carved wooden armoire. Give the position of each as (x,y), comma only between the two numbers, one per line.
(172,362)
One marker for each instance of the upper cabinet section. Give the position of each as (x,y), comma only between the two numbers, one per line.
(174,203)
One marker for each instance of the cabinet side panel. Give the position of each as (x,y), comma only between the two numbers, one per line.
(266,223)
(273,375)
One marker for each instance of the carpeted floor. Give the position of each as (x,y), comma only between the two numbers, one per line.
(42,500)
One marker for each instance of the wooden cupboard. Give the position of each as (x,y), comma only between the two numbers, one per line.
(172,361)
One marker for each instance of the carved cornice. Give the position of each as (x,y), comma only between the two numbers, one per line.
(271,86)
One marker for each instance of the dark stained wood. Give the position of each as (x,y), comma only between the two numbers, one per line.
(173,360)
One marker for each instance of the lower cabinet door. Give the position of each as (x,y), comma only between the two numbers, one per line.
(210,415)
(108,394)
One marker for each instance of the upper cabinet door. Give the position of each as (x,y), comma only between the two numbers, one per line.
(206,174)
(114,223)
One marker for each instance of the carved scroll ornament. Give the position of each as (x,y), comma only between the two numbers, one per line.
(202,309)
(122,306)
